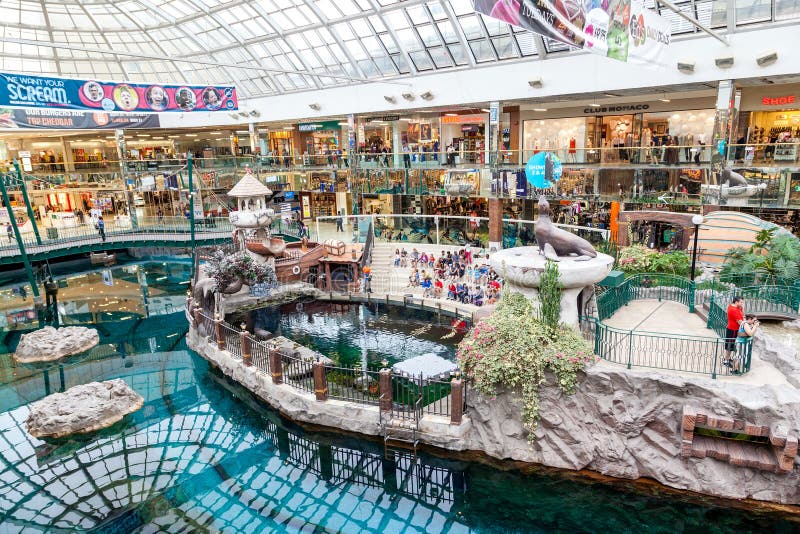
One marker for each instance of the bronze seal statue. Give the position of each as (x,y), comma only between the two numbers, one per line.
(733,179)
(554,242)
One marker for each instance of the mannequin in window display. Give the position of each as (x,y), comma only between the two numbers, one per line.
(647,140)
(701,143)
(688,141)
(571,150)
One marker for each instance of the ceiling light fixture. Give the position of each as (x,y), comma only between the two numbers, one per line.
(315,106)
(536,83)
(594,105)
(427,95)
(190,135)
(390,99)
(539,109)
(408,96)
(664,98)
(451,114)
(486,110)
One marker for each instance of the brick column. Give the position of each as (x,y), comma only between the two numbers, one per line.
(495,224)
(245,338)
(218,333)
(320,381)
(622,234)
(456,401)
(385,389)
(275,366)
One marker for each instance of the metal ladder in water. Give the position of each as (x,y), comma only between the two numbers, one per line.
(400,424)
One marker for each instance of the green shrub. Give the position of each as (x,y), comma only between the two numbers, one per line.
(512,349)
(637,259)
(550,296)
(772,260)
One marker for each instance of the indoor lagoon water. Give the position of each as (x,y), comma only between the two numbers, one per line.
(352,334)
(204,455)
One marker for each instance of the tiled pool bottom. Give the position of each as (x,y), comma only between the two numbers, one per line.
(203,456)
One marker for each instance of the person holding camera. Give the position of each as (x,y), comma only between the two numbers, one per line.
(746,331)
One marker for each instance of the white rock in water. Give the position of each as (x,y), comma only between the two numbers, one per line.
(48,343)
(82,409)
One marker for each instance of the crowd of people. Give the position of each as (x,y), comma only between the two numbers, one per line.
(463,276)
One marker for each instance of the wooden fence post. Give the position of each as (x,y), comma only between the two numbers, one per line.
(247,358)
(456,400)
(275,367)
(385,389)
(219,334)
(320,381)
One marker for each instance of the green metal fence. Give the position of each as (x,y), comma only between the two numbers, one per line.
(763,301)
(674,352)
(645,286)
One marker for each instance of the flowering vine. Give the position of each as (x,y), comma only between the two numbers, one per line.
(512,349)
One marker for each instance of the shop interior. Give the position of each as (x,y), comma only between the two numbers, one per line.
(634,138)
(773,136)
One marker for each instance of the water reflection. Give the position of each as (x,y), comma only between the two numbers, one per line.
(351,334)
(203,455)
(145,289)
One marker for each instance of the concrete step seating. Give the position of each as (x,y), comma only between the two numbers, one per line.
(776,455)
(386,278)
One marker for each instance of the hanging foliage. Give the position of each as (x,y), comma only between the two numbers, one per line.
(512,349)
(232,270)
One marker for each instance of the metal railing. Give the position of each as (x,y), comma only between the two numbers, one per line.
(674,352)
(449,230)
(657,286)
(119,231)
(412,396)
(352,384)
(693,354)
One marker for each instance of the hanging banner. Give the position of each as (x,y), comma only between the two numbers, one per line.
(57,119)
(18,90)
(620,29)
(543,170)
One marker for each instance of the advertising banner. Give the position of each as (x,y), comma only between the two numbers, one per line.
(543,170)
(18,90)
(620,29)
(57,119)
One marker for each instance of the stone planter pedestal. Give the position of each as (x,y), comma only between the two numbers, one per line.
(521,268)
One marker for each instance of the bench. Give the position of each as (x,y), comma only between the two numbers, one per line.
(102,258)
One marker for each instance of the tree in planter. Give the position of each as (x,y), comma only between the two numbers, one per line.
(550,296)
(512,349)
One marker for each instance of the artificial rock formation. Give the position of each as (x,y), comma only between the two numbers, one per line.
(621,423)
(627,424)
(82,409)
(48,343)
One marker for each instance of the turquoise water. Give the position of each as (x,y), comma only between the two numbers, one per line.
(353,333)
(203,455)
(130,291)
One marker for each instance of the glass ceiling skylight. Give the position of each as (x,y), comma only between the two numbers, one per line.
(268,47)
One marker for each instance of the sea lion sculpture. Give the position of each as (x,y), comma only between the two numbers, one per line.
(733,179)
(554,242)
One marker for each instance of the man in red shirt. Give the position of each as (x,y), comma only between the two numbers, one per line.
(735,318)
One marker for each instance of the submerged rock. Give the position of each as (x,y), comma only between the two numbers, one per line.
(48,344)
(82,409)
